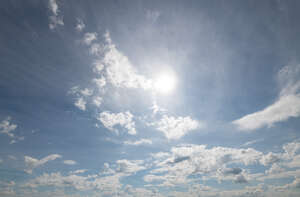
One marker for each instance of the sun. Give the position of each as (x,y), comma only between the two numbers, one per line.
(165,83)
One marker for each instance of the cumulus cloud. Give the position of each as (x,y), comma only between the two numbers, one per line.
(55,19)
(129,166)
(285,107)
(176,127)
(138,142)
(119,70)
(69,162)
(32,163)
(80,103)
(6,127)
(80,25)
(110,120)
(89,38)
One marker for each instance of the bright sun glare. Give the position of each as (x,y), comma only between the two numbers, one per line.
(165,83)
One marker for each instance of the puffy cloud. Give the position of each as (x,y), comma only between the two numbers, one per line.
(97,101)
(286,106)
(119,70)
(176,127)
(138,142)
(80,103)
(110,120)
(69,162)
(129,166)
(292,148)
(7,128)
(270,158)
(32,163)
(80,25)
(89,38)
(55,19)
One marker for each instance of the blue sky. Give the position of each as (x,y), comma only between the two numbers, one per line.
(149,98)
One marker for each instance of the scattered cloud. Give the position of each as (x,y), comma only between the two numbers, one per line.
(55,19)
(80,25)
(32,163)
(80,103)
(119,70)
(252,142)
(110,120)
(69,162)
(138,142)
(176,127)
(89,38)
(7,128)
(284,108)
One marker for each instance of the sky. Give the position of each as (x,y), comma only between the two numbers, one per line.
(149,98)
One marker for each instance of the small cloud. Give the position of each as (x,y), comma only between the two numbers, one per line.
(32,163)
(252,142)
(139,142)
(69,162)
(110,120)
(89,38)
(7,128)
(176,127)
(80,103)
(80,25)
(78,171)
(55,19)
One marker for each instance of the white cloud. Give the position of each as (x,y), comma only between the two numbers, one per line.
(110,120)
(138,142)
(89,38)
(270,158)
(100,82)
(80,103)
(97,101)
(119,70)
(32,163)
(129,166)
(80,25)
(86,92)
(7,128)
(176,127)
(54,18)
(287,105)
(78,171)
(252,142)
(69,162)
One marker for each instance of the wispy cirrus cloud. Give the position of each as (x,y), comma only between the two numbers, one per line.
(285,107)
